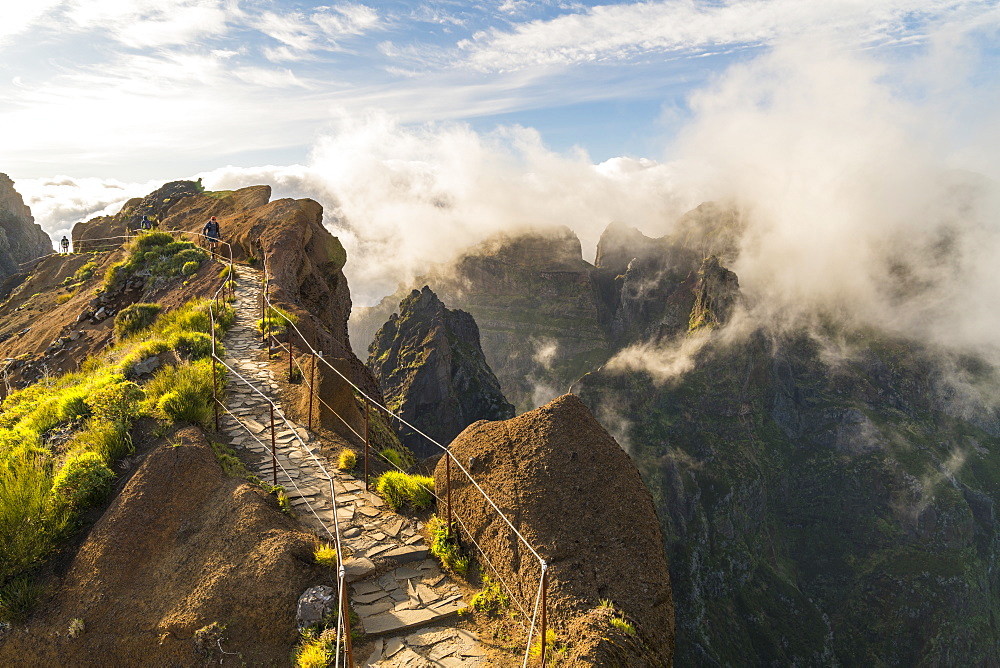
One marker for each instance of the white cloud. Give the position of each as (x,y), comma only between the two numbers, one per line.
(150,23)
(18,17)
(59,202)
(346,19)
(619,32)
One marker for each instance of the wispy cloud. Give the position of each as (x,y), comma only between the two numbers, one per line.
(610,33)
(149,23)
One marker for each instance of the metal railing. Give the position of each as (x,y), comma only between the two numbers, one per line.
(539,608)
(343,622)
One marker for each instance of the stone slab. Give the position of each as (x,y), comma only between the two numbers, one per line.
(367,587)
(365,599)
(405,573)
(358,569)
(406,554)
(374,608)
(393,622)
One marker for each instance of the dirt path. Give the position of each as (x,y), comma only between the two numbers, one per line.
(400,595)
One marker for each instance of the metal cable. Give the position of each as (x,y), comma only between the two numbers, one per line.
(402,421)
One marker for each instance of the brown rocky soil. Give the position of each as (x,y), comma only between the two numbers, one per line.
(34,305)
(578,499)
(182,546)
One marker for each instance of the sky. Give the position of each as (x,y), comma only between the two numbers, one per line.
(422,127)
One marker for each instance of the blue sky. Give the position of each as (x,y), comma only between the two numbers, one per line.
(422,127)
(142,89)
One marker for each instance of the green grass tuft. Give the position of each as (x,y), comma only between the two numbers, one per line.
(400,489)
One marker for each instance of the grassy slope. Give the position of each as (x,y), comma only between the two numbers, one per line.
(58,437)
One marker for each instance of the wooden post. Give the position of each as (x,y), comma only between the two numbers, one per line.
(263,289)
(312,382)
(368,419)
(545,586)
(274,452)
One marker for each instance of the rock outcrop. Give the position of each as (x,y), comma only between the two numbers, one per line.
(21,238)
(431,369)
(304,261)
(576,497)
(180,548)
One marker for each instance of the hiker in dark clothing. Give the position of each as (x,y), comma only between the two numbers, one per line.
(65,244)
(146,224)
(211,232)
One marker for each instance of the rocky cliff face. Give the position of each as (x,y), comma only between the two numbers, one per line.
(819,508)
(538,307)
(431,368)
(578,500)
(21,239)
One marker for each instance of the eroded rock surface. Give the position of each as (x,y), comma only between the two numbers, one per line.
(576,497)
(430,365)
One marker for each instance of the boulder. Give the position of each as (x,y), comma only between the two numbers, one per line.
(315,604)
(579,501)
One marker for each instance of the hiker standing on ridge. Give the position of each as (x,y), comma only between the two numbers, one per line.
(211,232)
(65,244)
(146,224)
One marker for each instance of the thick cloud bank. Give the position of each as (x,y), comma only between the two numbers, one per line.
(869,186)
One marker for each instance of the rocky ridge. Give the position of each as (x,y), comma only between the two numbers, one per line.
(21,238)
(431,368)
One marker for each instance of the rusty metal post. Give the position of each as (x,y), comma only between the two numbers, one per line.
(447,481)
(345,611)
(545,586)
(274,452)
(215,389)
(312,382)
(368,419)
(290,356)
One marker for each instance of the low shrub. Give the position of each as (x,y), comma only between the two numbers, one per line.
(85,273)
(316,650)
(83,480)
(117,402)
(622,625)
(230,463)
(492,599)
(190,268)
(446,548)
(183,393)
(135,318)
(399,489)
(17,598)
(62,299)
(326,555)
(393,457)
(192,345)
(347,460)
(276,320)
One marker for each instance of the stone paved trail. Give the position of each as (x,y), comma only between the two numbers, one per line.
(396,589)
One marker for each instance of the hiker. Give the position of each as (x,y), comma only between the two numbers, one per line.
(65,244)
(211,232)
(146,223)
